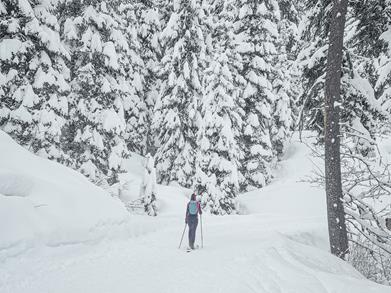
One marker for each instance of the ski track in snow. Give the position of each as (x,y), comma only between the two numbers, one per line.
(278,246)
(247,259)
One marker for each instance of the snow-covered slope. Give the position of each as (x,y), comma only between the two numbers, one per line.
(44,202)
(289,194)
(290,199)
(278,246)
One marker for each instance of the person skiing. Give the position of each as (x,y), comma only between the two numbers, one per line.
(192,210)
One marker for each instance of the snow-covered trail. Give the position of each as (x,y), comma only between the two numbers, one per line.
(278,246)
(241,254)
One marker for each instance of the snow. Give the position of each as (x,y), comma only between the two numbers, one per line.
(25,7)
(385,148)
(243,47)
(278,244)
(21,114)
(91,14)
(186,70)
(2,8)
(42,78)
(44,202)
(96,44)
(384,72)
(364,87)
(271,27)
(112,121)
(386,36)
(89,169)
(70,30)
(10,47)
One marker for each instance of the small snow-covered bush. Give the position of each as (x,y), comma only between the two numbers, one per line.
(372,262)
(148,187)
(366,177)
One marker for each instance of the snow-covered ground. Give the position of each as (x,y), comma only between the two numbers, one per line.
(42,202)
(278,245)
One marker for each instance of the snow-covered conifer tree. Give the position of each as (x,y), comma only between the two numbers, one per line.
(151,17)
(148,187)
(312,59)
(359,107)
(136,110)
(218,157)
(100,87)
(286,85)
(257,37)
(176,109)
(383,82)
(373,42)
(33,76)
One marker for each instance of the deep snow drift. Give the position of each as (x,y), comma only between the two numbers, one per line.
(44,202)
(279,245)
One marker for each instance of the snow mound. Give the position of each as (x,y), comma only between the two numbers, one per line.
(15,184)
(42,201)
(289,195)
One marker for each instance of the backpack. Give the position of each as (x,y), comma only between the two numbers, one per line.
(193,207)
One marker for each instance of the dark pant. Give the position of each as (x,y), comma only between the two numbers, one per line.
(192,221)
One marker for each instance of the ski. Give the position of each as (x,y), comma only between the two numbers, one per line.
(195,247)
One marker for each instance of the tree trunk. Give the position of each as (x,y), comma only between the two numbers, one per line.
(335,209)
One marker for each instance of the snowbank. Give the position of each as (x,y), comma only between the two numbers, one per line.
(290,204)
(289,195)
(44,202)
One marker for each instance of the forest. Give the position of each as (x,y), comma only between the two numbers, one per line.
(211,93)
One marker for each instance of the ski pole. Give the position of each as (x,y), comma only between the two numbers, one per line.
(180,243)
(202,236)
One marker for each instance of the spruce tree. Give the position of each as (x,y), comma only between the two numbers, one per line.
(359,109)
(373,43)
(312,59)
(383,82)
(33,76)
(176,109)
(257,37)
(136,109)
(286,82)
(99,88)
(151,17)
(219,154)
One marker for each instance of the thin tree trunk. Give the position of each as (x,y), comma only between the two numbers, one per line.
(335,210)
